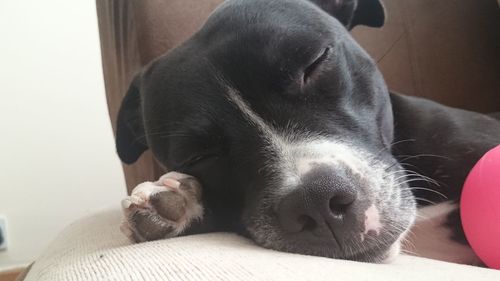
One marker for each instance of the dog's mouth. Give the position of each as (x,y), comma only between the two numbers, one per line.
(363,245)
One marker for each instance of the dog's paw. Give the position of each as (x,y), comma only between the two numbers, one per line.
(162,209)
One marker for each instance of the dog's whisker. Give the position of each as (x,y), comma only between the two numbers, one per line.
(408,252)
(396,172)
(377,154)
(425,200)
(409,165)
(429,179)
(430,190)
(420,177)
(411,180)
(408,157)
(392,165)
(385,148)
(402,141)
(400,177)
(420,216)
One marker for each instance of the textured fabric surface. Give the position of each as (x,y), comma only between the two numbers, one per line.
(94,249)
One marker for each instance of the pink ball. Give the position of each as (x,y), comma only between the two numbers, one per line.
(480,208)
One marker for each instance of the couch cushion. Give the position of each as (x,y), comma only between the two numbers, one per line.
(94,249)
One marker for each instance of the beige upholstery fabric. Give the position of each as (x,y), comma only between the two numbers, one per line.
(94,249)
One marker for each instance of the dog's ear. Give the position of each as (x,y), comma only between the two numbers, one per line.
(130,137)
(355,12)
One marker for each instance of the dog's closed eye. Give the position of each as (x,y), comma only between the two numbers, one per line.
(198,159)
(313,67)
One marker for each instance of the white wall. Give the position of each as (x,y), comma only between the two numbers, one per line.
(57,159)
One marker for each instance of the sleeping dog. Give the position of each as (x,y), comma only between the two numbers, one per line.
(279,126)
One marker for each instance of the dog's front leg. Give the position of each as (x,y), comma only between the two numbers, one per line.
(169,207)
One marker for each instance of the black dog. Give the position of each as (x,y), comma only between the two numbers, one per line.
(288,126)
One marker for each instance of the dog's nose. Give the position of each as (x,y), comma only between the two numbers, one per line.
(323,205)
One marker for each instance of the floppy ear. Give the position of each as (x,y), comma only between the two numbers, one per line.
(130,138)
(355,12)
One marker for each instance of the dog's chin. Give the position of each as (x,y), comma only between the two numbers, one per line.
(379,254)
(375,252)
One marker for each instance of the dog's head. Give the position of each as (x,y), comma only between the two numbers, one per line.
(286,122)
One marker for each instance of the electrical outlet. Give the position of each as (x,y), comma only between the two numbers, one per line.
(3,234)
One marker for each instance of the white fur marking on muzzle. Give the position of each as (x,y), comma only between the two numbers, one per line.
(300,152)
